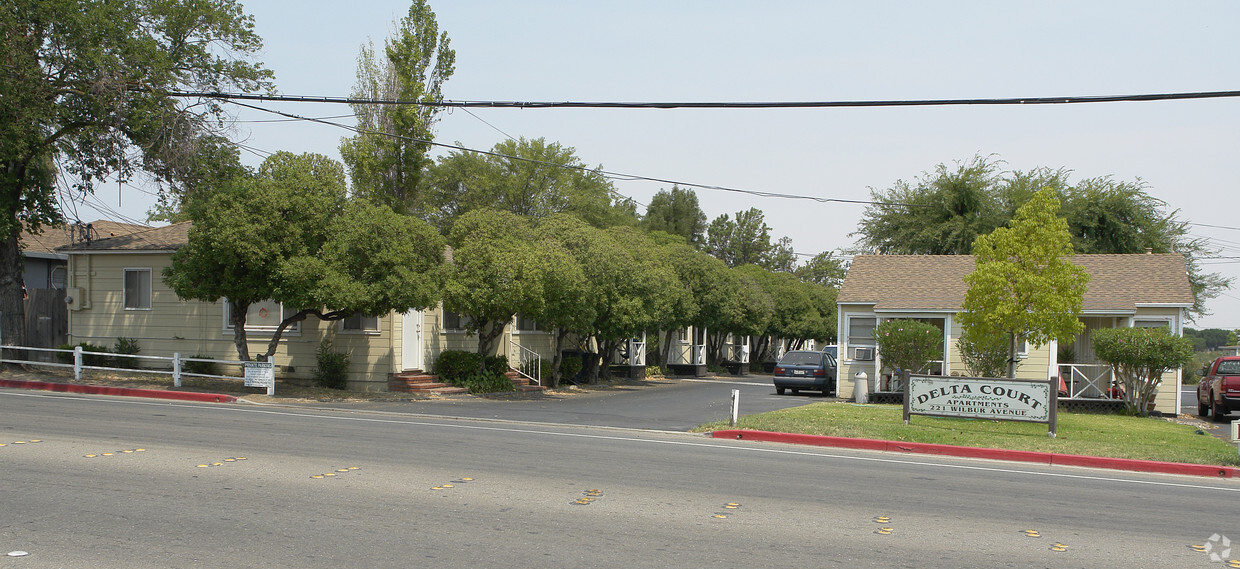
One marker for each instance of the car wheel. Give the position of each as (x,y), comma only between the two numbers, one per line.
(1203,408)
(1220,414)
(796,391)
(779,390)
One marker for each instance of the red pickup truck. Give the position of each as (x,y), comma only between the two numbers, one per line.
(1218,393)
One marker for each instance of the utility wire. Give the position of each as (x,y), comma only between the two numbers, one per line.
(570,166)
(717,105)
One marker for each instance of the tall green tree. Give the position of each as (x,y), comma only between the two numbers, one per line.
(84,98)
(676,211)
(938,214)
(496,273)
(1139,357)
(387,157)
(290,234)
(746,240)
(823,269)
(1025,284)
(532,178)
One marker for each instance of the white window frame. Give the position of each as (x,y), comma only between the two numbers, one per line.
(364,324)
(125,288)
(517,330)
(293,330)
(460,320)
(848,335)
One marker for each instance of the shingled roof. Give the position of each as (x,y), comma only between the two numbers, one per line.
(166,238)
(50,239)
(936,282)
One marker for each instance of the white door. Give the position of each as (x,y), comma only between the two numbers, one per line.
(411,340)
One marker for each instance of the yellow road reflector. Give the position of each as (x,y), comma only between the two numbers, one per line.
(581,502)
(329,474)
(36,440)
(91,455)
(107,454)
(720,516)
(468,479)
(202,466)
(230,460)
(139,450)
(1032,533)
(1198,548)
(354,468)
(882,519)
(436,487)
(3,445)
(316,476)
(1059,547)
(1233,563)
(19,442)
(342,470)
(217,464)
(884,531)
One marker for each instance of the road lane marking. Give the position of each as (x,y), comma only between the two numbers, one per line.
(722,445)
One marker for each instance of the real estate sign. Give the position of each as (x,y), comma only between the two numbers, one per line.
(981,398)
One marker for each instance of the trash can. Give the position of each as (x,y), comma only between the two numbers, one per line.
(861,387)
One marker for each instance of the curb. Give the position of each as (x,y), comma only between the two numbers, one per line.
(1048,458)
(119,391)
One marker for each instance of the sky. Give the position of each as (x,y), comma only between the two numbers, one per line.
(725,51)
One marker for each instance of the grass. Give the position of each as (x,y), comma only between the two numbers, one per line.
(1116,436)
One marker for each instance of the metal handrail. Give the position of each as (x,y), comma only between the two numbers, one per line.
(527,360)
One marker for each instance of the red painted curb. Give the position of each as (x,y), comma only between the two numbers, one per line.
(1049,458)
(119,391)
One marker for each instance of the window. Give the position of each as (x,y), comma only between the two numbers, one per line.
(527,324)
(454,321)
(359,322)
(137,289)
(262,316)
(1151,324)
(861,331)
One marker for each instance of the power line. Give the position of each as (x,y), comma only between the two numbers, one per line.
(1066,100)
(600,171)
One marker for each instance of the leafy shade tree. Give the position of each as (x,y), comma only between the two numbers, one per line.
(290,234)
(797,315)
(496,273)
(823,269)
(388,155)
(1024,284)
(567,306)
(939,214)
(1139,358)
(84,97)
(746,240)
(908,346)
(676,212)
(214,162)
(532,178)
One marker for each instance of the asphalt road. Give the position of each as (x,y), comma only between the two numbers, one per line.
(418,491)
(669,405)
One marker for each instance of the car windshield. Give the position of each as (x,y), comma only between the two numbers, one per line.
(801,359)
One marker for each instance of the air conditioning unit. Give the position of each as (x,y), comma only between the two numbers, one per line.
(863,354)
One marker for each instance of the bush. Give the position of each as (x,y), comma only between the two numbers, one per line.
(487,382)
(569,366)
(202,368)
(495,364)
(987,357)
(455,366)
(908,344)
(127,346)
(1140,356)
(333,367)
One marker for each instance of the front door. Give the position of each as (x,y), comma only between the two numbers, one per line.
(411,340)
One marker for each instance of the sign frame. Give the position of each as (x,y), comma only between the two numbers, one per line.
(260,374)
(983,398)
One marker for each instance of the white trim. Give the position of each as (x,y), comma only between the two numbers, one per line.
(150,288)
(1162,305)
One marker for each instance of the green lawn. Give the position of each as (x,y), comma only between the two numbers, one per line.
(1078,433)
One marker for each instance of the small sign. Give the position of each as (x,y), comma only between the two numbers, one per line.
(259,374)
(981,398)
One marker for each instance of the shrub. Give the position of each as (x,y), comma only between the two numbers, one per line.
(333,367)
(908,344)
(127,346)
(495,364)
(202,368)
(569,366)
(454,366)
(87,359)
(1139,357)
(487,382)
(985,358)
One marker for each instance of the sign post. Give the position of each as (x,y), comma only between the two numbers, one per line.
(260,374)
(1033,401)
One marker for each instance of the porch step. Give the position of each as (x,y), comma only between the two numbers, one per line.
(416,381)
(522,383)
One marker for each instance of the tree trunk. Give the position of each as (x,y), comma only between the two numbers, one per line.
(488,332)
(1011,363)
(12,307)
(557,357)
(236,317)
